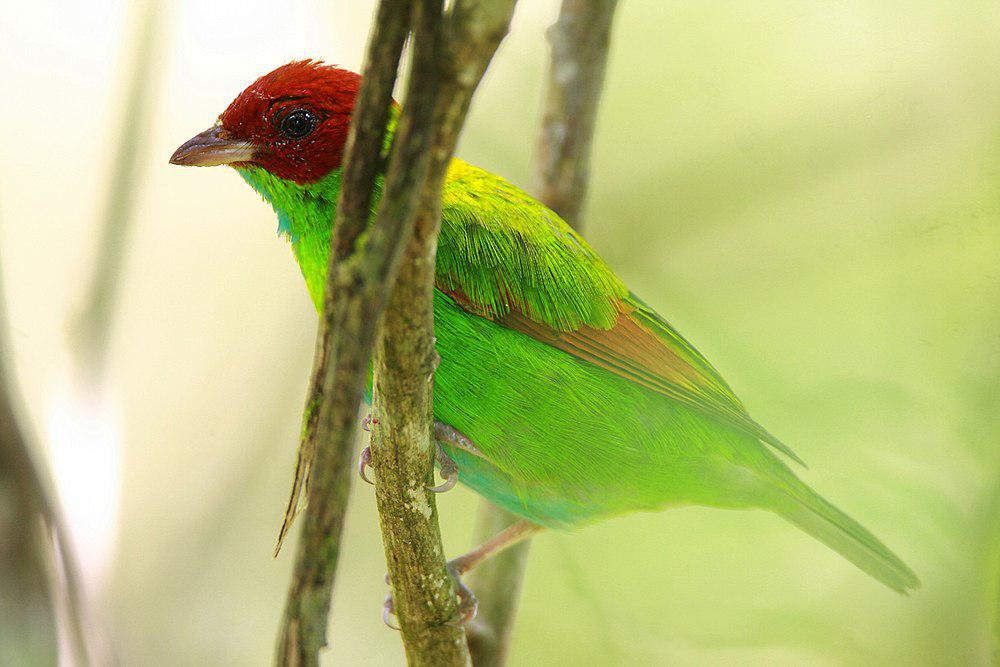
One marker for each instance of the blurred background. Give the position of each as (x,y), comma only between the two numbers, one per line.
(809,191)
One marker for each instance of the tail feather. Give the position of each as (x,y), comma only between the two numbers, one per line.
(816,516)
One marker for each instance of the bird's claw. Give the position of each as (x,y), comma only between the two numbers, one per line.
(388,611)
(366,454)
(448,470)
(468,604)
(363,462)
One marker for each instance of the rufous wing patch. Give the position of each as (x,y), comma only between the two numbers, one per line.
(636,349)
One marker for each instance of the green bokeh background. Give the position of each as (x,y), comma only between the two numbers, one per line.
(809,191)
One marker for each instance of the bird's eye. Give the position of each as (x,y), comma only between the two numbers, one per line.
(298,124)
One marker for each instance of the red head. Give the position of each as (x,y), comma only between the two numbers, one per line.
(292,122)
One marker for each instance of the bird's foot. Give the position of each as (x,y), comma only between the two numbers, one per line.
(388,611)
(448,470)
(364,461)
(468,604)
(444,433)
(366,454)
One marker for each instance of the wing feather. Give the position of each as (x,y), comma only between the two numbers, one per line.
(506,257)
(643,350)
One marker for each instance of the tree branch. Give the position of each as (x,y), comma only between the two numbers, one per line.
(579,39)
(96,317)
(360,275)
(357,284)
(27,616)
(451,55)
(32,595)
(498,583)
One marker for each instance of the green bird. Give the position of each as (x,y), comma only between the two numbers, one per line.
(560,395)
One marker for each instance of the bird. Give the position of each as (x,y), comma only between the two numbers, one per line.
(560,395)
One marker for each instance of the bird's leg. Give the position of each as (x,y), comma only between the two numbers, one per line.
(467,602)
(448,470)
(442,433)
(508,537)
(451,436)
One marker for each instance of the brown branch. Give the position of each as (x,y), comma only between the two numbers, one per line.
(27,616)
(358,282)
(579,39)
(362,164)
(96,317)
(35,546)
(356,289)
(451,55)
(497,582)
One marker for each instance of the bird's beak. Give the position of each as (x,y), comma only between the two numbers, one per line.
(212,147)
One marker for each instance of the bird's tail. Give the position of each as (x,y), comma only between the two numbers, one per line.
(812,513)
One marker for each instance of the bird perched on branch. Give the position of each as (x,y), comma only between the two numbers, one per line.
(560,395)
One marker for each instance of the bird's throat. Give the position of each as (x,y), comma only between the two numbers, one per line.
(305,216)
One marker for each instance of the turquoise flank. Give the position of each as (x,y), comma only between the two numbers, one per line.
(285,227)
(563,441)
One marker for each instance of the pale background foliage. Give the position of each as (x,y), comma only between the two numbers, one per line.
(809,191)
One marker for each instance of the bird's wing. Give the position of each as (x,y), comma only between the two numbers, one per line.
(504,256)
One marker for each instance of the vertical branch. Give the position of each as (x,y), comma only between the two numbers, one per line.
(95,318)
(497,583)
(33,531)
(39,574)
(579,41)
(451,55)
(27,615)
(403,378)
(358,282)
(356,287)
(363,162)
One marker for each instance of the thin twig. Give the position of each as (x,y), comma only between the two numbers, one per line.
(94,324)
(497,583)
(27,614)
(90,333)
(356,289)
(579,39)
(451,54)
(38,567)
